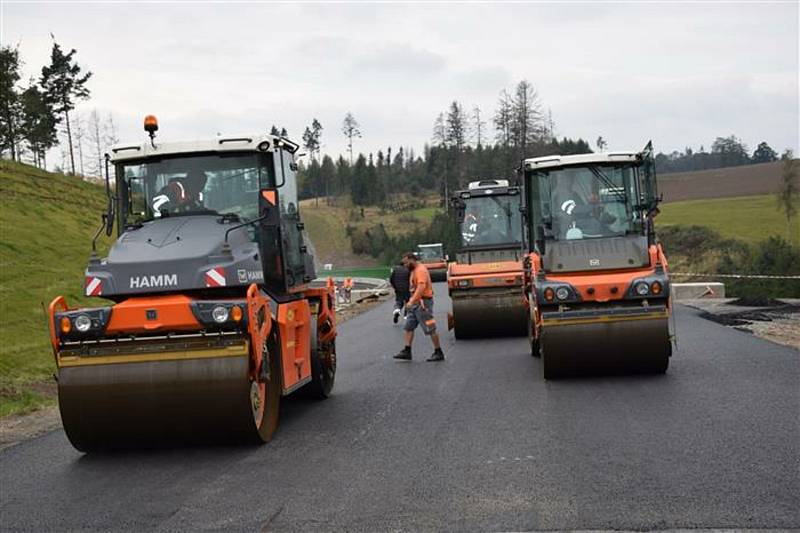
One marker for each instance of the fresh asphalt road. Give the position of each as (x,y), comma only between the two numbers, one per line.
(479,442)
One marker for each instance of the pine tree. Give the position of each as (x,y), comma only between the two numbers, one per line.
(64,85)
(10,104)
(38,124)
(351,129)
(526,118)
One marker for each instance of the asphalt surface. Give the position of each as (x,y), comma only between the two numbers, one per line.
(479,442)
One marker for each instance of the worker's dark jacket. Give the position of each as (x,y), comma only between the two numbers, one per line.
(399,279)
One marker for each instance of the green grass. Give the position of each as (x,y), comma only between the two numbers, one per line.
(751,218)
(46,225)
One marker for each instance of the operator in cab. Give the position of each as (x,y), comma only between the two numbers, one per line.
(577,212)
(181,194)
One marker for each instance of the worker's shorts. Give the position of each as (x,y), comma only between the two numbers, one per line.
(417,316)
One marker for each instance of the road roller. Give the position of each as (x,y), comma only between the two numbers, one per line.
(206,315)
(434,258)
(485,280)
(596,277)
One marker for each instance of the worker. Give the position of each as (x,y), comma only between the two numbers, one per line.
(347,285)
(399,280)
(420,309)
(181,194)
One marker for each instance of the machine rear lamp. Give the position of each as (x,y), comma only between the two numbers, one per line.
(263,146)
(66,324)
(642,289)
(220,314)
(562,293)
(549,294)
(83,323)
(236,313)
(463,283)
(656,287)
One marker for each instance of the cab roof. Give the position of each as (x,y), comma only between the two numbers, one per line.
(226,143)
(551,161)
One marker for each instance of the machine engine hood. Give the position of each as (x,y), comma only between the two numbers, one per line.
(586,255)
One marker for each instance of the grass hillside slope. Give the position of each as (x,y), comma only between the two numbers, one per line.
(46,225)
(750,218)
(330,226)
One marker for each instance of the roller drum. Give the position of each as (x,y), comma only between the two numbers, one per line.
(489,313)
(152,403)
(609,345)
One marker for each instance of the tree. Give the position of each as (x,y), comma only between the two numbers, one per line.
(274,131)
(80,132)
(10,105)
(730,151)
(327,174)
(789,191)
(439,131)
(526,117)
(64,85)
(312,139)
(456,126)
(38,124)
(764,153)
(110,131)
(479,125)
(601,143)
(502,119)
(359,182)
(95,142)
(351,129)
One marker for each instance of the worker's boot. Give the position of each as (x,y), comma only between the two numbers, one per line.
(404,355)
(438,355)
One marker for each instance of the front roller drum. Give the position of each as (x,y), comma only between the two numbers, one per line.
(479,313)
(167,402)
(606,347)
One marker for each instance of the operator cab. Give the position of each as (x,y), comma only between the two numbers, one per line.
(194,214)
(490,221)
(591,211)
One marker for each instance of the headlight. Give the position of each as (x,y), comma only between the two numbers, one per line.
(83,323)
(562,293)
(642,288)
(220,314)
(463,283)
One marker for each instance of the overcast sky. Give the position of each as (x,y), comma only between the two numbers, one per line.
(681,74)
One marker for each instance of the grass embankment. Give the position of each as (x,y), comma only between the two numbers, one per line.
(749,218)
(46,225)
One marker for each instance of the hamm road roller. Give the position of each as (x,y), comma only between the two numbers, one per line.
(596,278)
(434,258)
(209,316)
(485,281)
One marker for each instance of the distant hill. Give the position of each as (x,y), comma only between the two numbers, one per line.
(746,180)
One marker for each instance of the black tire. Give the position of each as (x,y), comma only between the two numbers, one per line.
(268,424)
(323,365)
(532,339)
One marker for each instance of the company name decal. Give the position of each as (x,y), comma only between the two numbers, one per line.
(160,280)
